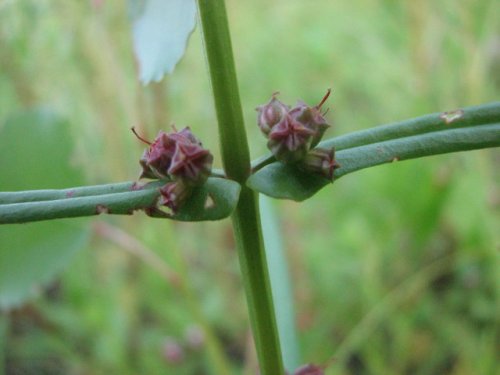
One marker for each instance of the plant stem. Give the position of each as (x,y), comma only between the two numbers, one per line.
(236,161)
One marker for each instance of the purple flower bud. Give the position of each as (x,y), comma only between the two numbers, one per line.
(321,161)
(190,163)
(178,155)
(172,351)
(292,132)
(312,118)
(147,172)
(173,195)
(155,160)
(289,140)
(271,114)
(309,369)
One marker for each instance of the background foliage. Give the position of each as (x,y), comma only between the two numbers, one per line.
(394,269)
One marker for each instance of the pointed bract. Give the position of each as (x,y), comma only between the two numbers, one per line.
(191,163)
(271,114)
(173,195)
(321,161)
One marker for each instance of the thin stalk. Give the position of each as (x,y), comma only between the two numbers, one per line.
(236,161)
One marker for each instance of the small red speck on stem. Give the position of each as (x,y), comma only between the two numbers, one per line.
(102,209)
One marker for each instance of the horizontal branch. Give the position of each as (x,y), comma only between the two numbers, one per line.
(460,118)
(283,181)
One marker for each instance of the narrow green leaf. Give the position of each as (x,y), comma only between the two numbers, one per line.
(32,144)
(446,141)
(215,200)
(161,29)
(53,194)
(460,118)
(287,182)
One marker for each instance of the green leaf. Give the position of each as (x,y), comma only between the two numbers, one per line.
(287,182)
(161,29)
(215,200)
(281,284)
(37,148)
(284,181)
(460,118)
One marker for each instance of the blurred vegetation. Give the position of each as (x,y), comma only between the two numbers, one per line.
(395,269)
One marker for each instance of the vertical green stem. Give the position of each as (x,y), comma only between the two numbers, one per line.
(4,327)
(236,160)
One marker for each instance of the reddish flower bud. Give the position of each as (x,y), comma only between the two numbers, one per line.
(312,118)
(173,195)
(321,161)
(178,155)
(292,132)
(147,172)
(190,163)
(271,114)
(289,140)
(155,160)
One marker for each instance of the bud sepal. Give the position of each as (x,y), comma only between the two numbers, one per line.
(321,161)
(173,195)
(271,114)
(289,140)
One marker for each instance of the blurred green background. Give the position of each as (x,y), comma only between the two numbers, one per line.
(395,270)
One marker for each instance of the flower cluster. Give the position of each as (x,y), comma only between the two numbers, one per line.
(180,158)
(292,134)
